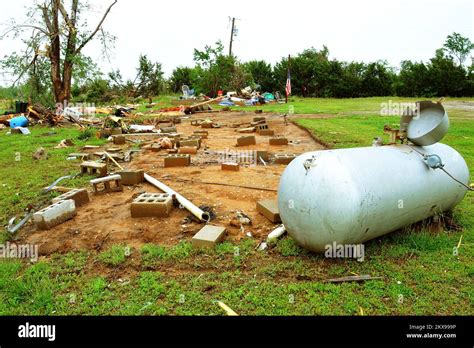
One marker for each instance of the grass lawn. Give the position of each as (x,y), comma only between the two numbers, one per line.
(421,275)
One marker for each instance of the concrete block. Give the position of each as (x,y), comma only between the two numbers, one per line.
(269,209)
(264,154)
(119,139)
(230,166)
(190,142)
(284,158)
(192,150)
(262,126)
(246,140)
(171,129)
(208,236)
(55,214)
(94,168)
(278,141)
(178,160)
(81,155)
(201,133)
(152,205)
(207,124)
(79,196)
(196,122)
(111,183)
(259,118)
(132,177)
(270,132)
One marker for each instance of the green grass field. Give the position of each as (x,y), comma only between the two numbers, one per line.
(420,273)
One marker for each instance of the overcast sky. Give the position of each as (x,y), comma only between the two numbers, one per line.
(361,30)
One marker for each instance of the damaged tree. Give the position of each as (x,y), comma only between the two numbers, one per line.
(60,36)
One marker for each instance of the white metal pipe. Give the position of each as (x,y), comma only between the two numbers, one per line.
(276,233)
(196,211)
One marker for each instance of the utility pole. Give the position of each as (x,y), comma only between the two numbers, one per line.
(231,36)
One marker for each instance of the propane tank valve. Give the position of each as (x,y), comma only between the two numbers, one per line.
(433,161)
(307,164)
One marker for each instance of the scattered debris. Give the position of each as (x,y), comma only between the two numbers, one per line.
(276,233)
(240,219)
(352,279)
(64,143)
(226,308)
(40,154)
(14,228)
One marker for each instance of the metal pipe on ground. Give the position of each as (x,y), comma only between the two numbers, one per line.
(196,211)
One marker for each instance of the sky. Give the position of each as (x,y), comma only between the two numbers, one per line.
(357,30)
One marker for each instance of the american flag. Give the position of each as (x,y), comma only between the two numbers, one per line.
(288,84)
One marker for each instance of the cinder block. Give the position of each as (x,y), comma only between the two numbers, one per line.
(178,160)
(152,205)
(208,236)
(202,133)
(246,140)
(94,168)
(171,129)
(270,132)
(119,139)
(192,150)
(269,209)
(230,166)
(132,177)
(259,118)
(111,183)
(284,158)
(190,142)
(262,126)
(196,122)
(207,124)
(278,141)
(81,155)
(79,196)
(264,154)
(55,214)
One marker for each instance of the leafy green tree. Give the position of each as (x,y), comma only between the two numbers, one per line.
(262,74)
(458,46)
(377,80)
(181,76)
(57,32)
(148,82)
(215,71)
(445,77)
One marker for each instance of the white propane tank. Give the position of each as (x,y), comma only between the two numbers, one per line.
(349,196)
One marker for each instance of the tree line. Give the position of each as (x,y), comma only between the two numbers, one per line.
(313,74)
